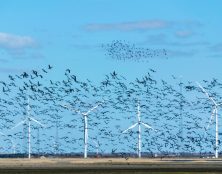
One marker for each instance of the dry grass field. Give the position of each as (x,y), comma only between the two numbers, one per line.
(112,163)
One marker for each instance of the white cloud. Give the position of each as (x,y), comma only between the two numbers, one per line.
(164,40)
(17,46)
(185,26)
(16,43)
(129,26)
(184,34)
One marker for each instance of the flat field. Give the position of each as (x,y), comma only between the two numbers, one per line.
(109,165)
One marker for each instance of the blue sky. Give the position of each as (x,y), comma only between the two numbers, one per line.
(69,34)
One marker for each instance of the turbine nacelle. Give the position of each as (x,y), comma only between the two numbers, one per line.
(139,123)
(82,113)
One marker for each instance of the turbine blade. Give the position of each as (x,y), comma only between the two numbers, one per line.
(65,106)
(131,127)
(96,143)
(211,119)
(70,108)
(36,121)
(206,93)
(21,122)
(146,125)
(93,108)
(77,111)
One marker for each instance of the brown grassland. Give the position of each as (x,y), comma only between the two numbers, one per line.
(120,165)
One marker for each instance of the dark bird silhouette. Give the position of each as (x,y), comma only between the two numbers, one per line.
(50,67)
(68,70)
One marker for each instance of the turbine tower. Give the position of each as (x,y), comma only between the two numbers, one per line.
(85,116)
(181,117)
(96,143)
(13,146)
(28,120)
(214,113)
(139,123)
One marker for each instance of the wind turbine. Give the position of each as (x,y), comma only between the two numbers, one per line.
(139,123)
(13,146)
(96,143)
(214,113)
(28,120)
(85,115)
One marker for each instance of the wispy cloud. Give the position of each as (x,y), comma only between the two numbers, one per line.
(11,41)
(216,47)
(184,34)
(163,40)
(16,44)
(184,26)
(156,39)
(128,26)
(215,56)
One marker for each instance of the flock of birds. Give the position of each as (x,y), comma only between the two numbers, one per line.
(163,106)
(123,50)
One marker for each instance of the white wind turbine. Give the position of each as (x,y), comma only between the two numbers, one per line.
(13,146)
(214,113)
(85,115)
(96,143)
(139,122)
(28,120)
